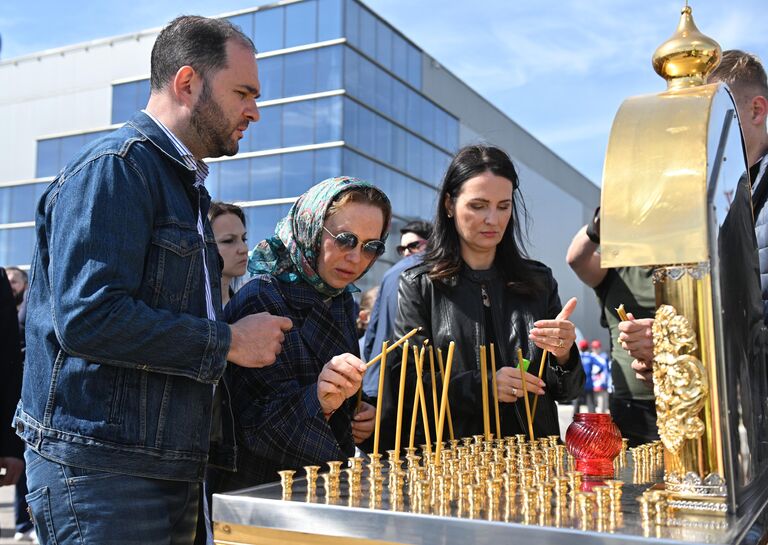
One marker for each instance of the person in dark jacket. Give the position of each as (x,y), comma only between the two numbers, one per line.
(476,287)
(11,446)
(299,413)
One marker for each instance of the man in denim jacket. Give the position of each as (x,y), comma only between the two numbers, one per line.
(124,345)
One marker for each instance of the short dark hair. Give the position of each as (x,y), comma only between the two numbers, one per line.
(743,73)
(221,208)
(418,227)
(191,40)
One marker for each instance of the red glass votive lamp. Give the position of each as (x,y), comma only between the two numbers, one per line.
(594,441)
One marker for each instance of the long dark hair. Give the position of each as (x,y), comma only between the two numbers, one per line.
(443,250)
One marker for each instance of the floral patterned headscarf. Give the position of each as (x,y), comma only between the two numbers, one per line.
(291,253)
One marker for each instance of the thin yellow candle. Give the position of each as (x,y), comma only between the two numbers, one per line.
(525,393)
(400,398)
(484,391)
(495,392)
(443,405)
(423,399)
(414,412)
(542,363)
(400,341)
(442,378)
(377,427)
(434,381)
(622,313)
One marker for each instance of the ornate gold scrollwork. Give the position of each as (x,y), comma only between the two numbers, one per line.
(680,380)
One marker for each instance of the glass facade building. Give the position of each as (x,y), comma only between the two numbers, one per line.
(341,95)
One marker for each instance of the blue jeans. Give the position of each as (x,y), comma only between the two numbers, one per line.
(71,505)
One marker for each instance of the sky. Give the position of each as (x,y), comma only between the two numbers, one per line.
(559,69)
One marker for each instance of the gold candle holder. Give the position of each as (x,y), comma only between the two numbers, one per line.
(544,497)
(660,507)
(574,481)
(528,499)
(311,472)
(374,466)
(330,485)
(353,482)
(614,492)
(286,481)
(561,491)
(541,474)
(603,501)
(586,502)
(647,508)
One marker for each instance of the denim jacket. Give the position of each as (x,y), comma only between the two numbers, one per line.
(121,358)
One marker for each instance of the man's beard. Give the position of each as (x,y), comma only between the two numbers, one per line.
(210,124)
(18,298)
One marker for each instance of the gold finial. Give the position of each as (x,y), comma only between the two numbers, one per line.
(688,57)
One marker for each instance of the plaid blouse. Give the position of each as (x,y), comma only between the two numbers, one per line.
(279,423)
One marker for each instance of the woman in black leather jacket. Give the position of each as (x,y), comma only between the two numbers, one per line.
(476,287)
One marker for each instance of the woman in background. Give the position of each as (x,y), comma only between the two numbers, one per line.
(228,224)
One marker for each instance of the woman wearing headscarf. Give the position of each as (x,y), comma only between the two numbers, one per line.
(298,411)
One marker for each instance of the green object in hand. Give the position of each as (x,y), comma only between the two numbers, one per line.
(526,363)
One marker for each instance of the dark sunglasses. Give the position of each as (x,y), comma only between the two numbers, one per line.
(411,246)
(348,241)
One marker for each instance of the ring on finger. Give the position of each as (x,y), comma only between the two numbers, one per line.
(560,344)
(514,391)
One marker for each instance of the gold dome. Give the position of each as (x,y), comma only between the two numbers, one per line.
(688,57)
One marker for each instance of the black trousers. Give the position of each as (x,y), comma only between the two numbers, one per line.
(636,419)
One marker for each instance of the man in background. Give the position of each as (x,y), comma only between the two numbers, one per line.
(413,241)
(25,530)
(632,404)
(11,447)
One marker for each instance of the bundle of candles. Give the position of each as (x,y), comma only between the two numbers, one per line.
(518,478)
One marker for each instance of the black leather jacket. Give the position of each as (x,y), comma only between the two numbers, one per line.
(454,311)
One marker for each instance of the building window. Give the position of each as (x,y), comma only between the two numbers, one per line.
(301,23)
(234,181)
(54,153)
(244,22)
(298,173)
(268,132)
(18,202)
(260,221)
(300,73)
(17,246)
(128,98)
(271,77)
(378,137)
(266,177)
(268,28)
(373,86)
(410,198)
(329,18)
(298,123)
